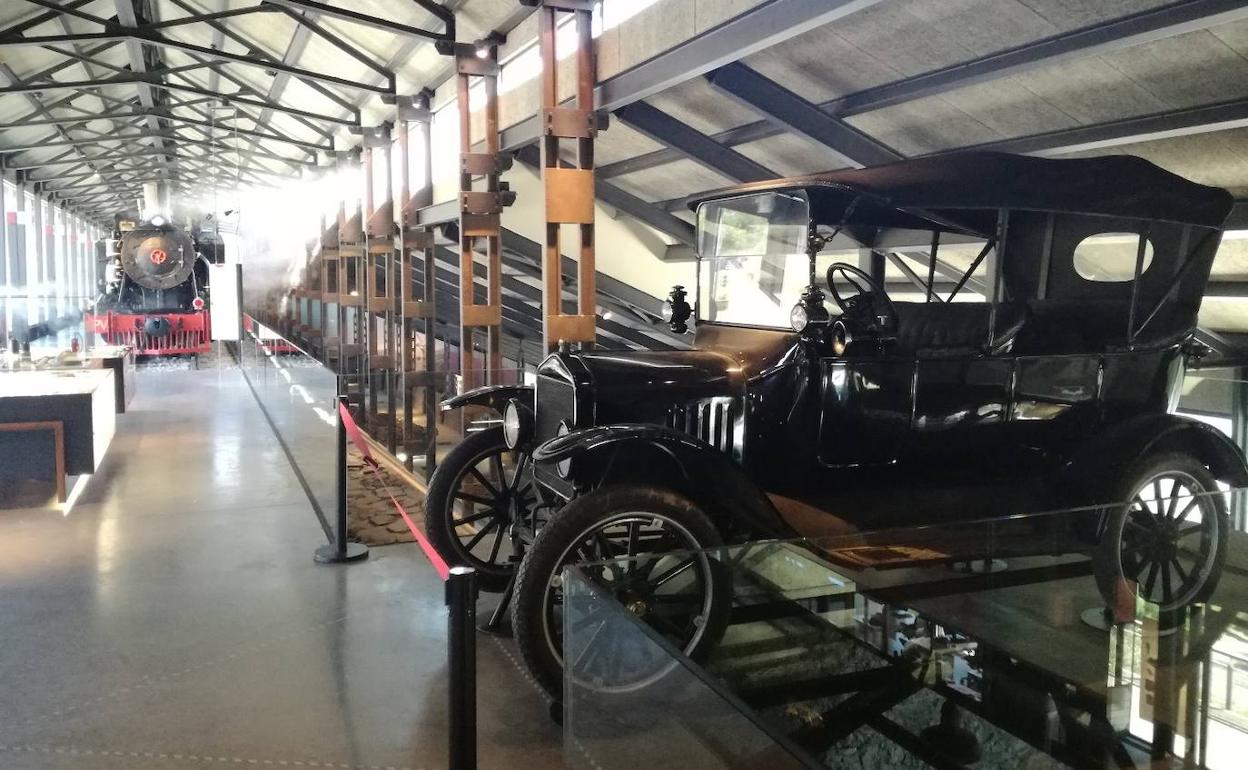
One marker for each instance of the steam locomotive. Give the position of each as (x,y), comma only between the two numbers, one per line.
(155,291)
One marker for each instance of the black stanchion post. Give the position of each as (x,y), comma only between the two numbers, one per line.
(461,602)
(340,550)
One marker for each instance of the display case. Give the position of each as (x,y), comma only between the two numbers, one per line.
(981,645)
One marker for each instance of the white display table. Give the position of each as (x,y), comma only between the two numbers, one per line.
(84,402)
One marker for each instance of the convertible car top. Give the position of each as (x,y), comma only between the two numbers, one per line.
(1112,185)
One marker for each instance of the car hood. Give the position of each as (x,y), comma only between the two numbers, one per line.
(674,374)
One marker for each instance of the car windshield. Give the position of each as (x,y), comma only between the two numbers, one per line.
(753,266)
(753,250)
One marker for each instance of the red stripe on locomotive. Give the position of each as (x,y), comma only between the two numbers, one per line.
(188,332)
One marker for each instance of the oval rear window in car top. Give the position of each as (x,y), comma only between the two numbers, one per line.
(1111,256)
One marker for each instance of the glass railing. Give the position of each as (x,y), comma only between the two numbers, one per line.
(399,408)
(298,396)
(1018,642)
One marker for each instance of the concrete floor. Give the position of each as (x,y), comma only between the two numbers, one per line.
(175,618)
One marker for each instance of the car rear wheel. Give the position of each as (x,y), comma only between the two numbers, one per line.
(481,507)
(1168,542)
(683,596)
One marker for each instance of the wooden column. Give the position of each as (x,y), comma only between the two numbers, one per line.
(416,309)
(480,212)
(569,191)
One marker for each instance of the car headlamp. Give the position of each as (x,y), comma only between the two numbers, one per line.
(798,318)
(564,466)
(810,310)
(677,311)
(517,424)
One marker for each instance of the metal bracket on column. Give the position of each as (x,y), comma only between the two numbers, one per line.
(569,191)
(482,197)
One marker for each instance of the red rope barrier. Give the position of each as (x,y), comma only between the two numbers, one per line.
(357,437)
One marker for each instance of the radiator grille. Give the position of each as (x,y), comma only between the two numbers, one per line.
(556,402)
(713,420)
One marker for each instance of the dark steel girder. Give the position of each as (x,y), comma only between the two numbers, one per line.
(1159,23)
(263,103)
(1144,128)
(356,17)
(791,112)
(269,135)
(149,38)
(691,143)
(44,18)
(185,88)
(757,29)
(259,52)
(71,120)
(197,18)
(340,44)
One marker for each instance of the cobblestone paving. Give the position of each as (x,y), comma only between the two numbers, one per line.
(371,517)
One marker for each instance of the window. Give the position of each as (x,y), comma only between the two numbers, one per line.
(1110,257)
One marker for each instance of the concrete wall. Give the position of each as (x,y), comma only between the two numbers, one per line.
(625,250)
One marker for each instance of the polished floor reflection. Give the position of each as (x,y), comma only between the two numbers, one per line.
(173,617)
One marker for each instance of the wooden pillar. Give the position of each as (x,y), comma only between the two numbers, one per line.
(480,213)
(416,310)
(569,191)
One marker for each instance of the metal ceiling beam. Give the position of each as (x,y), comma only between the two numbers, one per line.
(693,144)
(234,98)
(645,212)
(269,135)
(1145,128)
(71,120)
(299,40)
(252,97)
(341,45)
(363,19)
(1238,220)
(196,18)
(1144,27)
(137,36)
(791,112)
(1159,23)
(43,18)
(127,15)
(258,51)
(755,30)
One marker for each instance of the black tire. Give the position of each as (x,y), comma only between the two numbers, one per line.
(1150,540)
(563,540)
(498,538)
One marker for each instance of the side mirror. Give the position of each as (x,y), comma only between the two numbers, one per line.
(677,311)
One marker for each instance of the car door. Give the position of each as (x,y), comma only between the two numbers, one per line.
(865,410)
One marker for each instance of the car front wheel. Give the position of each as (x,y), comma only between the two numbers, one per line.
(672,586)
(482,506)
(1167,542)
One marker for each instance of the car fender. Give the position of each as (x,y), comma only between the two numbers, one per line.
(493,396)
(1113,452)
(706,475)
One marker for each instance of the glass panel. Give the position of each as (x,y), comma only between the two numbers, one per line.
(765,224)
(997,643)
(1110,257)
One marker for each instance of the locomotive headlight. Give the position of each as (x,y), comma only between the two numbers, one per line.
(517,424)
(564,466)
(158,221)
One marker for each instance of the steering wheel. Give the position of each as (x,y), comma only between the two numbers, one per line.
(870,303)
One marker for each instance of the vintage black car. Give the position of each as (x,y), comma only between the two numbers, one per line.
(1031,361)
